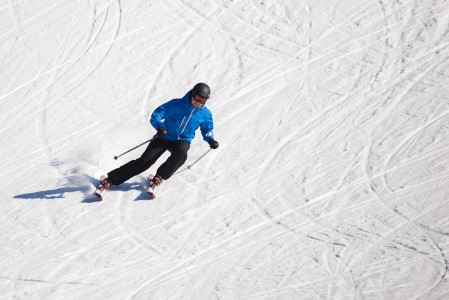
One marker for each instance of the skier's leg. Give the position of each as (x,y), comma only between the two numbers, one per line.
(177,158)
(134,167)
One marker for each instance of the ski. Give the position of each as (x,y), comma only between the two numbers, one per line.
(151,194)
(98,194)
(104,184)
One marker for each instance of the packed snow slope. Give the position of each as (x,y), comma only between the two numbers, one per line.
(332,176)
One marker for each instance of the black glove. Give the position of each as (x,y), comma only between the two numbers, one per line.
(161,132)
(213,144)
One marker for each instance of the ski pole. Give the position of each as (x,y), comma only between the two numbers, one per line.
(115,157)
(189,166)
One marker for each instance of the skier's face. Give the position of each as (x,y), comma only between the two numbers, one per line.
(197,101)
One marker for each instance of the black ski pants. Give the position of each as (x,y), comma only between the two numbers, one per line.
(155,149)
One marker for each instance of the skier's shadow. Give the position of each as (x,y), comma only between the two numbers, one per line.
(51,194)
(84,184)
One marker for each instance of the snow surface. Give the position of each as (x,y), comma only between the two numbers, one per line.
(332,176)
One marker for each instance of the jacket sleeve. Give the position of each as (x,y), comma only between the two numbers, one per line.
(159,115)
(207,127)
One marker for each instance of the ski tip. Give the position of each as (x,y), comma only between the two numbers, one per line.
(151,195)
(98,195)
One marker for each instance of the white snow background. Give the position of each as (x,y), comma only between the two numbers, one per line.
(332,176)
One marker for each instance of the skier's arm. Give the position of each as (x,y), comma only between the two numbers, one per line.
(207,127)
(159,115)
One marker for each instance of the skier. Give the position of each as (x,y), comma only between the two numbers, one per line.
(176,122)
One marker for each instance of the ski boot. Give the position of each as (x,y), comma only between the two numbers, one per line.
(155,181)
(103,185)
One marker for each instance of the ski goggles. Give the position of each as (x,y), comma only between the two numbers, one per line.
(199,99)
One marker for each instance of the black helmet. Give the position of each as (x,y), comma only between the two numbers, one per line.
(201,89)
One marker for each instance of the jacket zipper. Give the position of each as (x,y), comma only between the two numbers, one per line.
(182,122)
(187,122)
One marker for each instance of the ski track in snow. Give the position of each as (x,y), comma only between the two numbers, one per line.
(331,180)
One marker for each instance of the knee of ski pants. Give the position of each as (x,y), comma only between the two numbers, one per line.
(180,149)
(143,163)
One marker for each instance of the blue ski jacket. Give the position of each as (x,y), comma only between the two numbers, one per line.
(181,119)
